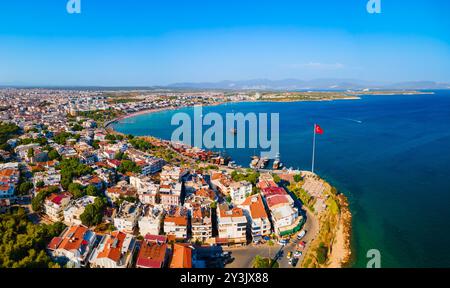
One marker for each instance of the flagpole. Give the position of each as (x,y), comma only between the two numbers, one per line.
(314,149)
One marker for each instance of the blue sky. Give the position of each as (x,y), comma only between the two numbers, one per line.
(135,42)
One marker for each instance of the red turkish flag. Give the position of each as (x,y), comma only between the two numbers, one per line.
(318,129)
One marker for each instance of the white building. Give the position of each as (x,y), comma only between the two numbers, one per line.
(75,208)
(201,223)
(148,163)
(114,251)
(239,191)
(126,219)
(73,247)
(170,192)
(9,178)
(147,190)
(173,173)
(257,216)
(150,220)
(232,224)
(176,222)
(55,204)
(50,177)
(286,219)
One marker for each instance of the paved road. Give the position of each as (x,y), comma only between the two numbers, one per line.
(244,256)
(312,228)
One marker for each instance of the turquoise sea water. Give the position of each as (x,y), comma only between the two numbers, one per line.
(389,154)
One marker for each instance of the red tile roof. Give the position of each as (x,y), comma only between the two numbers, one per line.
(269,191)
(111,252)
(156,238)
(256,205)
(182,256)
(151,255)
(276,200)
(71,240)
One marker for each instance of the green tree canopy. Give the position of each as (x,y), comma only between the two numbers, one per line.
(38,200)
(129,166)
(53,155)
(23,243)
(93,213)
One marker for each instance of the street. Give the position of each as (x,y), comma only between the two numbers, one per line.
(244,256)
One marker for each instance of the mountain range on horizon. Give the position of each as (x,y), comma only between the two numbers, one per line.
(316,84)
(267,85)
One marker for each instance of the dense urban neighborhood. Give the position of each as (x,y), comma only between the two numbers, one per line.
(74,193)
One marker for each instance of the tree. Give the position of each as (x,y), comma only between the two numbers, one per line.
(38,200)
(25,187)
(128,166)
(62,137)
(110,137)
(120,156)
(91,190)
(95,144)
(251,176)
(93,213)
(7,131)
(276,178)
(140,144)
(23,243)
(53,155)
(322,253)
(76,190)
(30,153)
(71,168)
(261,263)
(40,184)
(77,127)
(298,178)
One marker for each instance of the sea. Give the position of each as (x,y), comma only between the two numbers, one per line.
(389,154)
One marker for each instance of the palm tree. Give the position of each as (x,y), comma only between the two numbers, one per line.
(270,243)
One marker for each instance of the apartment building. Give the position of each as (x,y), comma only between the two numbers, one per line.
(201,223)
(257,216)
(55,204)
(73,246)
(176,222)
(239,191)
(75,208)
(114,251)
(147,190)
(232,224)
(126,218)
(150,220)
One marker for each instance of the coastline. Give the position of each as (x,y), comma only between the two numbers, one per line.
(151,111)
(334,231)
(340,250)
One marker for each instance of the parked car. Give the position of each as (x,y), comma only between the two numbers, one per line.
(283,242)
(301,235)
(301,245)
(226,254)
(298,254)
(293,262)
(228,260)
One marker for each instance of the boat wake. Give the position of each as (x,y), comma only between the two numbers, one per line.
(354,120)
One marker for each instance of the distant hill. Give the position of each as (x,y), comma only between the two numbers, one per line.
(317,84)
(265,84)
